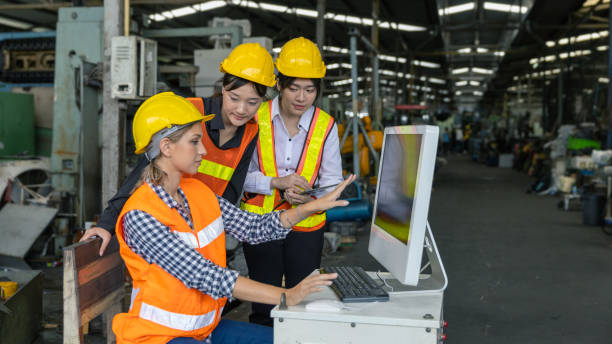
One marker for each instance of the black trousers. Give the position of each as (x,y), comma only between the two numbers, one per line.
(295,257)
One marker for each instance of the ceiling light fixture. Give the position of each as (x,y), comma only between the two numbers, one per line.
(495,6)
(17,24)
(456,9)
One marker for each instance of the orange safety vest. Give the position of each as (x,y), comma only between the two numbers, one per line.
(218,165)
(310,161)
(162,307)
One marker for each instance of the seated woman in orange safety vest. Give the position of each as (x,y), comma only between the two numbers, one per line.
(171,234)
(297,150)
(229,138)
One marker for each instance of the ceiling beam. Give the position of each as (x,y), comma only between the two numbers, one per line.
(592,9)
(599,19)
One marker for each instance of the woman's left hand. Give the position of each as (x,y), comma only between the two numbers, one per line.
(331,199)
(294,196)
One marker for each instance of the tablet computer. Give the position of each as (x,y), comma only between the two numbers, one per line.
(310,192)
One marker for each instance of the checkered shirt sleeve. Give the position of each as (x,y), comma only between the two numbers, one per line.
(250,227)
(156,244)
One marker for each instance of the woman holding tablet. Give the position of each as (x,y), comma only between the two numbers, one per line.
(297,150)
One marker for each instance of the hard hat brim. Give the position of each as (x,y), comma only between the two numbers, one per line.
(208,117)
(204,119)
(300,74)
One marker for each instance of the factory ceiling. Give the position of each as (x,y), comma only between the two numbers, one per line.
(467,48)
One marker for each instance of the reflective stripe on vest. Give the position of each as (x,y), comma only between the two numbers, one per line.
(308,167)
(133,297)
(211,232)
(204,237)
(177,321)
(311,158)
(267,161)
(216,170)
(170,319)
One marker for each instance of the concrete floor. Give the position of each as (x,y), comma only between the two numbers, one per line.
(520,270)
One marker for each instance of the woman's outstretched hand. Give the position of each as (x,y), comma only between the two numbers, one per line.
(295,215)
(331,199)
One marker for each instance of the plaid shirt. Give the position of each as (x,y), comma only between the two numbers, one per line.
(156,244)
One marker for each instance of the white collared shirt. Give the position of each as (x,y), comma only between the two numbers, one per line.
(288,151)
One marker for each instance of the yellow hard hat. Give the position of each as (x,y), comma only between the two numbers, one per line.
(162,110)
(300,58)
(252,62)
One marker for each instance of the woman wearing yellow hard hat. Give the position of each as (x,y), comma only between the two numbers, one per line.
(171,234)
(298,150)
(230,138)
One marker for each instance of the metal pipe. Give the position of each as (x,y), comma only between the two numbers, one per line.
(112,122)
(375,75)
(375,79)
(377,109)
(22,35)
(355,117)
(321,24)
(354,121)
(39,6)
(560,100)
(126,17)
(366,138)
(344,136)
(609,138)
(321,33)
(595,101)
(368,44)
(235,31)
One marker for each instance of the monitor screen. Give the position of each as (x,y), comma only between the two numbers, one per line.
(398,180)
(402,198)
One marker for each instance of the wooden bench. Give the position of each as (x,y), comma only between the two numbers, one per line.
(93,285)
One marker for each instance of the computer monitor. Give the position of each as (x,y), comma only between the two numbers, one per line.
(402,198)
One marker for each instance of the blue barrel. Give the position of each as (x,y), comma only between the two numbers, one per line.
(593,209)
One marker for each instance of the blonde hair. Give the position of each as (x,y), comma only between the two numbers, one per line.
(152,173)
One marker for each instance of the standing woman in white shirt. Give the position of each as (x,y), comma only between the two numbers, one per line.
(298,149)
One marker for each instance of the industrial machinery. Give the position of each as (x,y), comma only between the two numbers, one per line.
(75,158)
(208,59)
(27,57)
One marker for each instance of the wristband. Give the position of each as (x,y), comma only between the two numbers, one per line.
(287,218)
(298,212)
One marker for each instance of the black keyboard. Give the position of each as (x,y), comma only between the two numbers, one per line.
(354,285)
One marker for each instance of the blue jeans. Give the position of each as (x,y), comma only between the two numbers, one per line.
(231,332)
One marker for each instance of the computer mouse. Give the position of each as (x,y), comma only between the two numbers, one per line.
(325,306)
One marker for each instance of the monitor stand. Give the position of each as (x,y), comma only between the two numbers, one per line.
(428,283)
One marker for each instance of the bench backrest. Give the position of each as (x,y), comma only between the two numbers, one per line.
(93,285)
